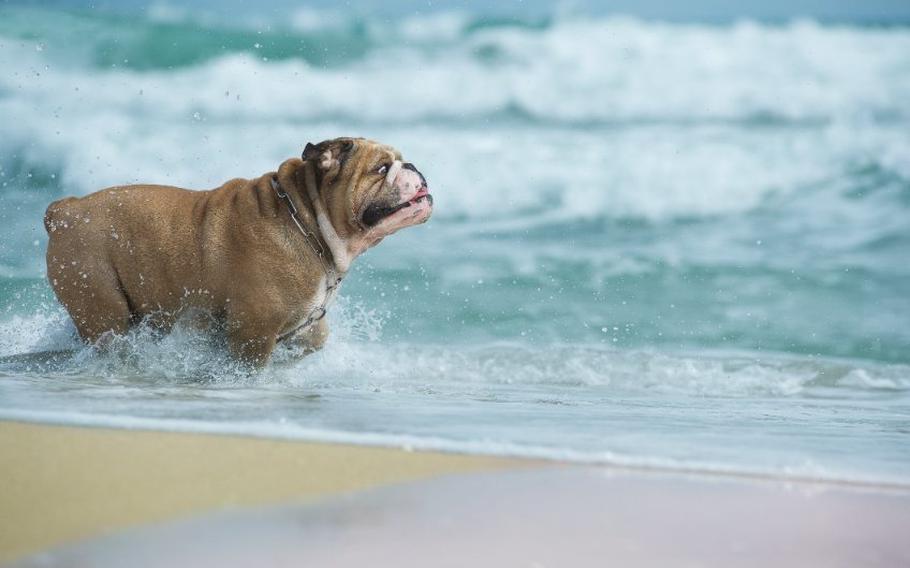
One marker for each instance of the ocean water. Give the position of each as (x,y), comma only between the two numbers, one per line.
(661,245)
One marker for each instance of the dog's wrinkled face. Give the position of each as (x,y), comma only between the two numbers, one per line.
(368,190)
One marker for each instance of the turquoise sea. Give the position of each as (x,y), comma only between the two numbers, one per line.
(667,245)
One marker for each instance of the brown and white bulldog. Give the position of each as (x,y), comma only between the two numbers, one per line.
(265,256)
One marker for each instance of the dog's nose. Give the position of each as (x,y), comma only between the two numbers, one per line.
(413,168)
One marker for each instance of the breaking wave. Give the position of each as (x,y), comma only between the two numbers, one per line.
(653,243)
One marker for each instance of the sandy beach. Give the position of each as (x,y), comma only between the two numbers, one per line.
(160,499)
(656,318)
(61,484)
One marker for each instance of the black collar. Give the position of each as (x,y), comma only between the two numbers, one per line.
(332,278)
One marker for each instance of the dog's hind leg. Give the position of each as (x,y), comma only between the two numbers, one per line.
(92,295)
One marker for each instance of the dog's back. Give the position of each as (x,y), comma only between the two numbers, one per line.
(111,254)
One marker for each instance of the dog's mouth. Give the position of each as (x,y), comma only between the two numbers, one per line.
(376,212)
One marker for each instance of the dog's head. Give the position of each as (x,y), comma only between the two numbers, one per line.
(367,190)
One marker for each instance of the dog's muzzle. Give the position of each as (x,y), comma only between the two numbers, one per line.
(410,185)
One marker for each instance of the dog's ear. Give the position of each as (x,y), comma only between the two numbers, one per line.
(327,155)
(309,152)
(320,154)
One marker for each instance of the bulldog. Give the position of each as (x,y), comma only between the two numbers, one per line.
(264,256)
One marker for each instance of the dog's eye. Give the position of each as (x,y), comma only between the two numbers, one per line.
(381,170)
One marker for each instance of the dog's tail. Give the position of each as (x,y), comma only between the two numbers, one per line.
(51,216)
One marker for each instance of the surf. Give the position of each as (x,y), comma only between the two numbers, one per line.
(655,243)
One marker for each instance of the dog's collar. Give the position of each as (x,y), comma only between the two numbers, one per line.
(332,278)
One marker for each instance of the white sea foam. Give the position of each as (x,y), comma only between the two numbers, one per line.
(350,361)
(580,70)
(47,330)
(238,115)
(527,136)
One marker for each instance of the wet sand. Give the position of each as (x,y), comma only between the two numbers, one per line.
(60,484)
(97,497)
(545,517)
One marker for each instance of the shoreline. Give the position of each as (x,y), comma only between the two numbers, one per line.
(68,486)
(409,444)
(67,483)
(77,496)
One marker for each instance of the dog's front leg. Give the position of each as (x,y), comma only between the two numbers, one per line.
(311,339)
(253,351)
(252,342)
